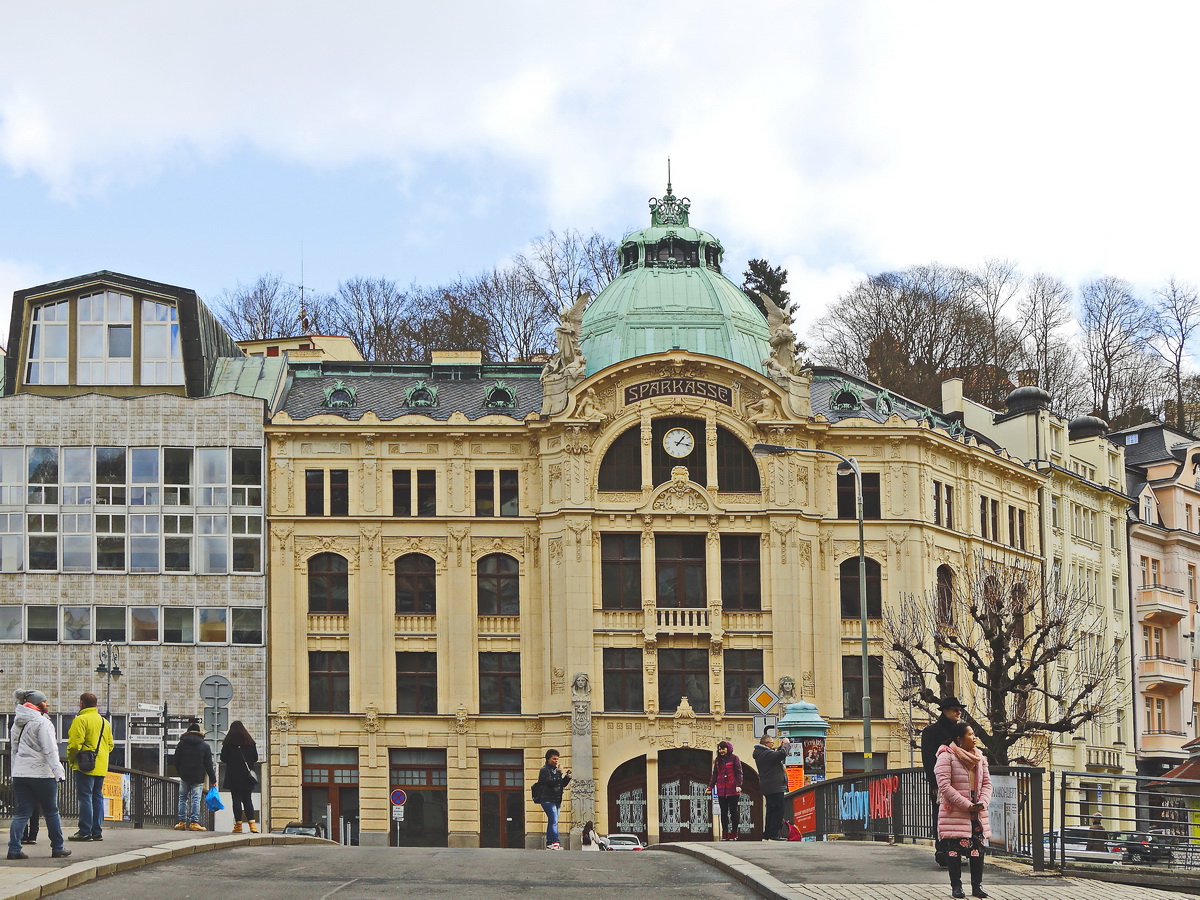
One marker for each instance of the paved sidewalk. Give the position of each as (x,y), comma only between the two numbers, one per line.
(121,849)
(849,870)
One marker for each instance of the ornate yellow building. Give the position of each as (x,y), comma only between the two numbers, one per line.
(471,564)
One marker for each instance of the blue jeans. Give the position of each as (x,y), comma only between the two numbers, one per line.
(551,810)
(189,801)
(25,790)
(91,803)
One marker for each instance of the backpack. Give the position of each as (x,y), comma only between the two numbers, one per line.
(535,792)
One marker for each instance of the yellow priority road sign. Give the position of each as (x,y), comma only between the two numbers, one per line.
(763,699)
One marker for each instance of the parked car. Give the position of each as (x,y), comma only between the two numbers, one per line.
(1075,845)
(1142,846)
(314,829)
(625,842)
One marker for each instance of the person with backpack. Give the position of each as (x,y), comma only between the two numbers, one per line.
(547,793)
(193,761)
(89,742)
(36,771)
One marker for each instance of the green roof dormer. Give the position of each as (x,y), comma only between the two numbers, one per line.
(671,293)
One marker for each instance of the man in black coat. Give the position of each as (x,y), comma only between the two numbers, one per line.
(933,737)
(193,761)
(772,780)
(551,781)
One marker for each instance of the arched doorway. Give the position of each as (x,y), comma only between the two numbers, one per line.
(627,798)
(684,801)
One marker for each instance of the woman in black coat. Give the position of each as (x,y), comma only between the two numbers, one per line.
(239,755)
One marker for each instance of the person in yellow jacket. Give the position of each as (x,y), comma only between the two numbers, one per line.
(89,731)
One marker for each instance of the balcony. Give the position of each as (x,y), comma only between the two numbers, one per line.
(328,623)
(1103,758)
(509,626)
(692,620)
(1163,743)
(1164,605)
(686,620)
(1163,673)
(414,624)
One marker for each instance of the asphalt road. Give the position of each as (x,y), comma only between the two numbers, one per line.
(355,873)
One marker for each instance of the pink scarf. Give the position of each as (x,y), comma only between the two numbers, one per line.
(970,760)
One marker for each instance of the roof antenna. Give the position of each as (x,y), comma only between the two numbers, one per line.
(668,174)
(305,325)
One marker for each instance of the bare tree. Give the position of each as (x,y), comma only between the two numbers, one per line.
(1115,332)
(267,308)
(994,286)
(376,315)
(520,326)
(1177,308)
(1033,653)
(559,267)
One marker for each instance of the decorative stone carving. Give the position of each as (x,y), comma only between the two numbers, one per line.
(566,367)
(458,534)
(533,726)
(579,531)
(460,720)
(588,406)
(787,689)
(557,679)
(765,409)
(808,684)
(680,496)
(482,546)
(371,719)
(556,551)
(579,439)
(310,545)
(281,719)
(433,547)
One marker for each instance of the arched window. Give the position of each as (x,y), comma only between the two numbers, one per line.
(499,586)
(415,585)
(328,584)
(945,595)
(849,582)
(736,468)
(621,468)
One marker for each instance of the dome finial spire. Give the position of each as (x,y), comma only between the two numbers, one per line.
(670,211)
(668,176)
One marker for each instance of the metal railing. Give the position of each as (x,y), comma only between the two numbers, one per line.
(1131,819)
(150,799)
(897,805)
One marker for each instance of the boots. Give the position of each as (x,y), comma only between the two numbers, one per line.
(237,827)
(977,877)
(954,865)
(253,827)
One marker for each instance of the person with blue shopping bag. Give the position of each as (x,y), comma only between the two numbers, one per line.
(194,762)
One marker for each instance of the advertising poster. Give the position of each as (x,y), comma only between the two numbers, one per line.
(806,814)
(113,791)
(814,756)
(1002,812)
(795,776)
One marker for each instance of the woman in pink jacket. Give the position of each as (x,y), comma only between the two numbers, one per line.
(965,787)
(727,782)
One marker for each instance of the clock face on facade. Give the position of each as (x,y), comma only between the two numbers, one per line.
(679,442)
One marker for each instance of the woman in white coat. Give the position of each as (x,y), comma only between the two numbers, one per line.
(36,771)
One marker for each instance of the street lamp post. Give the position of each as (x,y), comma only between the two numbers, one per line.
(108,667)
(847,466)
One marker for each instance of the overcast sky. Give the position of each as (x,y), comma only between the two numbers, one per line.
(202,144)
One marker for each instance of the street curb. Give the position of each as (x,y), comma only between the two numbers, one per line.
(89,870)
(754,877)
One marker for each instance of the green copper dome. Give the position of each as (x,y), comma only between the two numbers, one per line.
(671,293)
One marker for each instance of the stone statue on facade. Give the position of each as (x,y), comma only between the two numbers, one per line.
(583,800)
(764,409)
(565,369)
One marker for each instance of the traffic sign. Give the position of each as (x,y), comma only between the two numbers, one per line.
(763,699)
(150,707)
(398,813)
(399,798)
(762,723)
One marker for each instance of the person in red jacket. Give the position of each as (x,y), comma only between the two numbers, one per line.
(727,781)
(965,787)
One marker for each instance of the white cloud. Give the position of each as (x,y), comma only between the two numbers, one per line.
(841,137)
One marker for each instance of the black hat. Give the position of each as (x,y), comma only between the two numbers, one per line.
(950,703)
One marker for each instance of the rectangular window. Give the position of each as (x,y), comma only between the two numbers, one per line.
(246,471)
(212,557)
(144,621)
(42,623)
(12,542)
(105,339)
(509,493)
(110,543)
(43,542)
(983,518)
(1021,529)
(111,476)
(12,476)
(485,489)
(328,681)
(743,673)
(49,344)
(1012,526)
(1191,583)
(852,686)
(621,571)
(937,503)
(247,543)
(144,543)
(314,492)
(1055,520)
(179,625)
(339,492)
(76,623)
(177,476)
(948,506)
(682,673)
(404,503)
(110,624)
(76,474)
(679,571)
(847,502)
(177,543)
(247,626)
(212,466)
(741,579)
(144,477)
(623,690)
(213,625)
(77,542)
(499,683)
(162,352)
(43,476)
(416,683)
(10,624)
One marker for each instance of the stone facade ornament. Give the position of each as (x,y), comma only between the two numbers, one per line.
(460,720)
(371,719)
(787,689)
(583,793)
(566,367)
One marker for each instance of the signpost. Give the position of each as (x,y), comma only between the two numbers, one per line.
(763,699)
